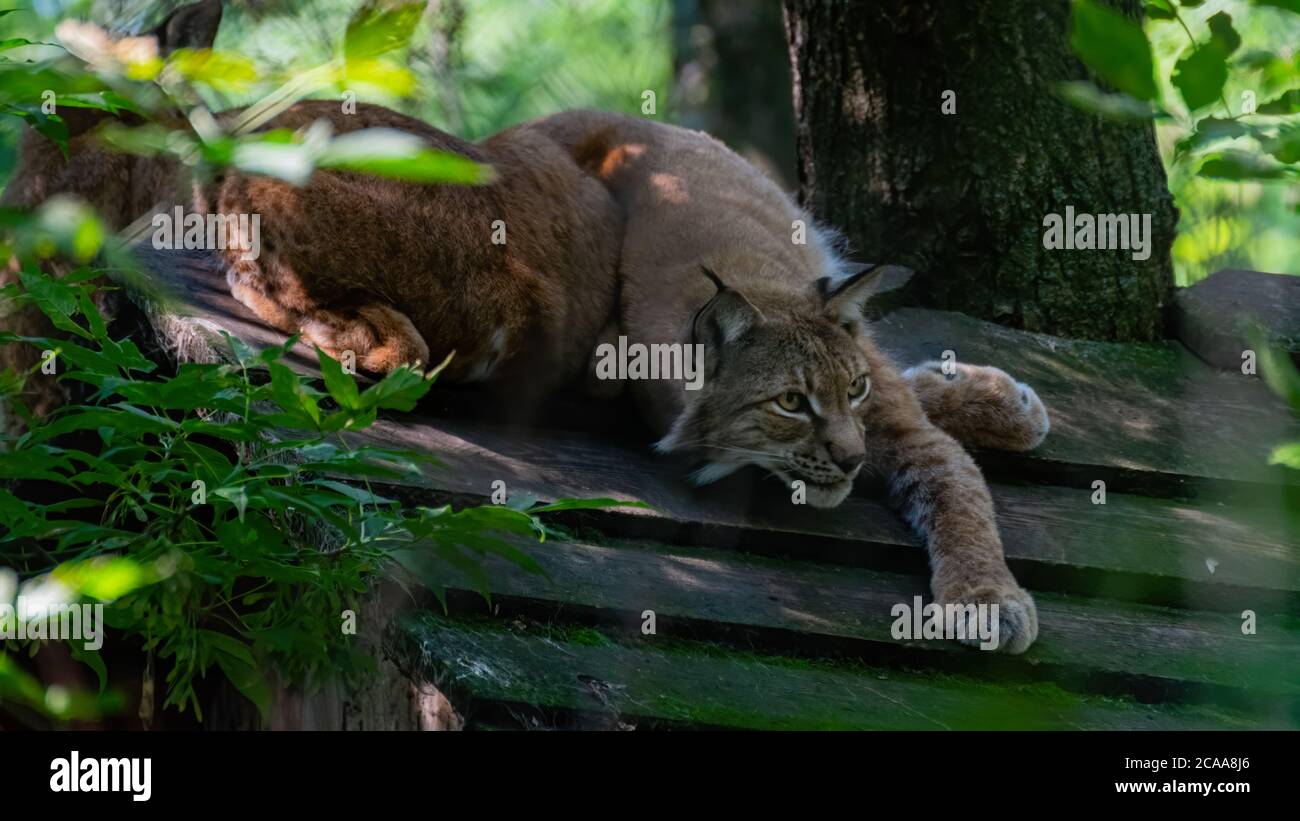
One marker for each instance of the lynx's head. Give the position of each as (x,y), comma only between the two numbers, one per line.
(787,387)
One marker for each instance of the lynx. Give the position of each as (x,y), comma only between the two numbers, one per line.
(793,382)
(616,226)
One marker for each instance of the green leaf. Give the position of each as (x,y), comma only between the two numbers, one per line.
(124,354)
(123,422)
(1114,47)
(341,386)
(1276,368)
(194,386)
(1288,455)
(387,152)
(57,301)
(1159,10)
(231,646)
(374,30)
(1285,146)
(1240,165)
(586,504)
(105,578)
(98,328)
(1288,5)
(91,659)
(238,666)
(109,101)
(399,390)
(1222,35)
(1211,130)
(1288,103)
(293,397)
(224,71)
(1200,76)
(380,75)
(146,140)
(206,463)
(50,126)
(236,495)
(359,495)
(250,539)
(292,162)
(1121,107)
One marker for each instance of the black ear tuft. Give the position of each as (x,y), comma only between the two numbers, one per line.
(829,288)
(193,26)
(714,278)
(725,317)
(845,299)
(824,288)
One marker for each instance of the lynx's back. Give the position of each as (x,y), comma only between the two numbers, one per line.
(695,201)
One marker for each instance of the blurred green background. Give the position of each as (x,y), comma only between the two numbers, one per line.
(720,65)
(1226,224)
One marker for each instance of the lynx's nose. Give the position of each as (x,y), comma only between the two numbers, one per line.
(848,464)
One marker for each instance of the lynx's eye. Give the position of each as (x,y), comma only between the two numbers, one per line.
(859,388)
(791,401)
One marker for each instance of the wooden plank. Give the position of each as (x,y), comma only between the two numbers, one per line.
(480,664)
(707,593)
(1056,538)
(1136,408)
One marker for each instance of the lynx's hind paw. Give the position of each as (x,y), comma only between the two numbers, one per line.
(980,405)
(381,338)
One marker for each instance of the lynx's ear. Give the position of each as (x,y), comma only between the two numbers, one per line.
(192,26)
(725,317)
(845,298)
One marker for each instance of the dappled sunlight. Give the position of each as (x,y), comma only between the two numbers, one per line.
(670,188)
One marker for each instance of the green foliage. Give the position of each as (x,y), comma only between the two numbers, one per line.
(1225,101)
(139,498)
(219,513)
(92,70)
(1114,47)
(475,67)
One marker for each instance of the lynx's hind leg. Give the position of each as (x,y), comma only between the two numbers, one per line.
(381,338)
(980,406)
(248,287)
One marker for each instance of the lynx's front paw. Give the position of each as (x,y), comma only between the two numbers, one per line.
(996,613)
(980,406)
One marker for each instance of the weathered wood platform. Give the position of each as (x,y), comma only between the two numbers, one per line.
(770,615)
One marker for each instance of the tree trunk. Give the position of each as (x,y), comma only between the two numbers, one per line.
(962,197)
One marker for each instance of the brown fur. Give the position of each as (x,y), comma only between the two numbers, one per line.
(398,272)
(393,271)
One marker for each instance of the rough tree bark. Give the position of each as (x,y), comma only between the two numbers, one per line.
(961,197)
